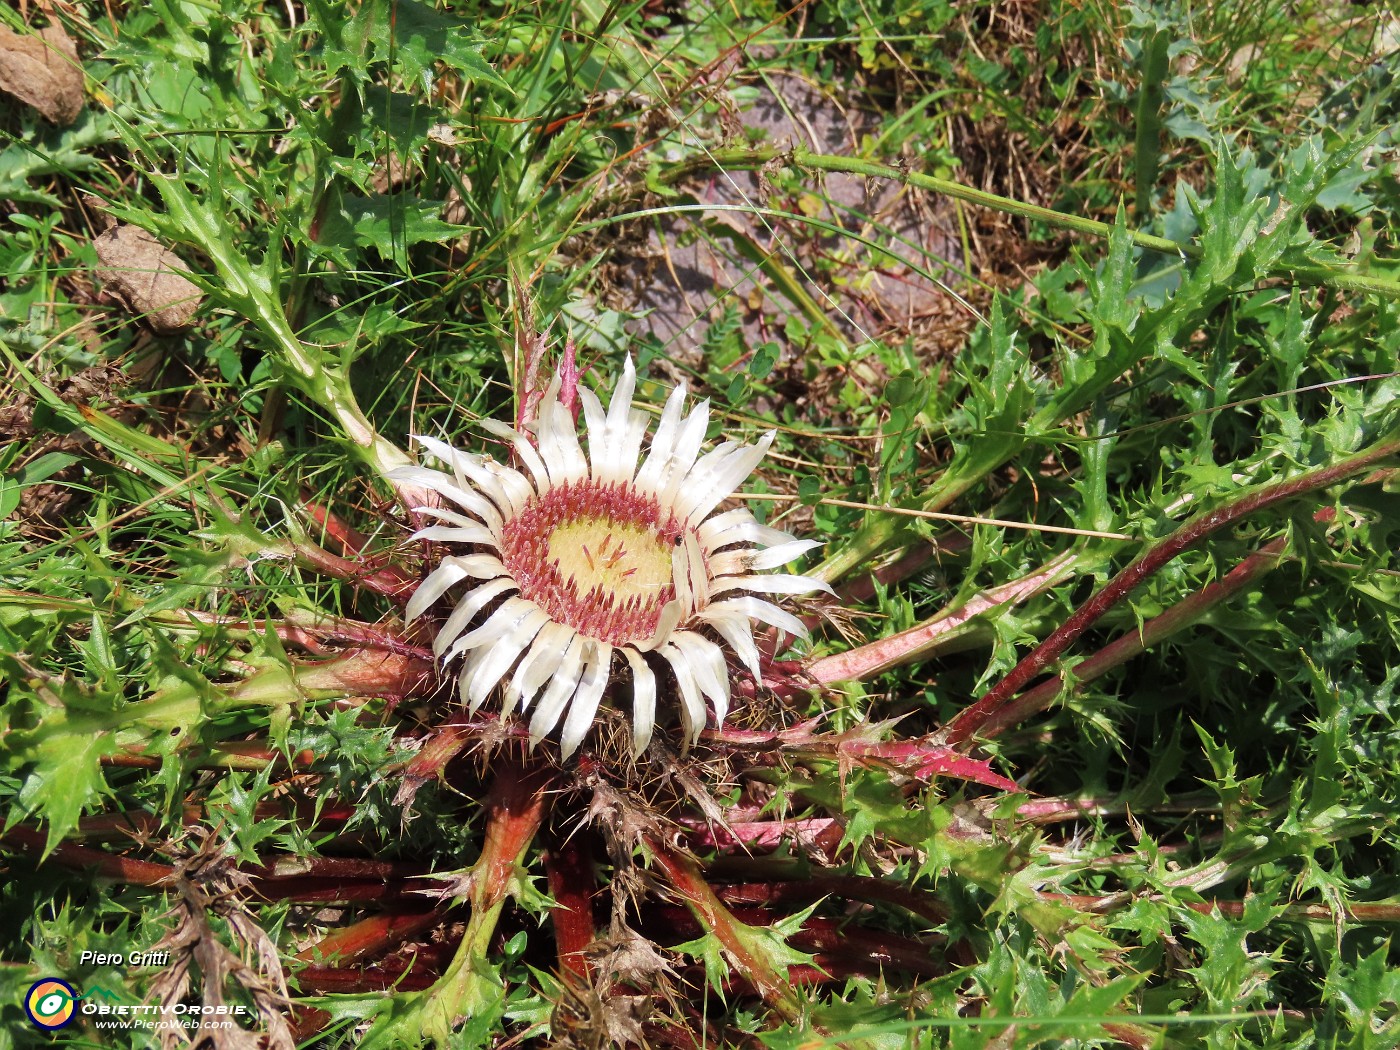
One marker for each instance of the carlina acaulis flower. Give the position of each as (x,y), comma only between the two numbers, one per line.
(586,569)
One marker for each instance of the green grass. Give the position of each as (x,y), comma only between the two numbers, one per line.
(1154,416)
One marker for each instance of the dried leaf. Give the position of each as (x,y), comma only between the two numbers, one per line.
(140,273)
(208,885)
(42,70)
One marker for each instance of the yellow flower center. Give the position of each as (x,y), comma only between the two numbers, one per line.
(624,561)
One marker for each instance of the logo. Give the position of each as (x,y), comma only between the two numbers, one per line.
(50,1003)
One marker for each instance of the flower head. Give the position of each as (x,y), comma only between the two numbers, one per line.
(585,568)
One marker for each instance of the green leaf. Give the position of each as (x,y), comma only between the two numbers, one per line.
(710,952)
(58,754)
(765,357)
(389,223)
(1369,992)
(11,492)
(411,35)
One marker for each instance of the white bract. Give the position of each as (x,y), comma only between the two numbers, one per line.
(585,569)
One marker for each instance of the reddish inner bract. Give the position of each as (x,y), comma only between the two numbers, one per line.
(595,557)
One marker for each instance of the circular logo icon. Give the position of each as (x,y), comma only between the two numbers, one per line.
(50,1003)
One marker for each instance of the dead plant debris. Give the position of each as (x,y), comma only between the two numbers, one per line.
(42,70)
(144,276)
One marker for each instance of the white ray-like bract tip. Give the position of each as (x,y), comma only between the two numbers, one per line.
(578,557)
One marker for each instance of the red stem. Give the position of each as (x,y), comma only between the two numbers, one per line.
(441,747)
(863,589)
(310,889)
(312,632)
(876,657)
(852,887)
(125,869)
(987,710)
(289,867)
(690,886)
(368,673)
(1122,649)
(515,808)
(347,538)
(573,886)
(756,834)
(388,580)
(840,944)
(370,937)
(1054,810)
(330,980)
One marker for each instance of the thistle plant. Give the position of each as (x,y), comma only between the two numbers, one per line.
(597,555)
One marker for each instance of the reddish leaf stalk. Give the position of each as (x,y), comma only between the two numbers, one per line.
(316,632)
(922,758)
(569,867)
(1118,652)
(823,972)
(364,673)
(441,747)
(869,950)
(309,890)
(764,739)
(146,825)
(515,808)
(349,539)
(685,878)
(370,937)
(922,640)
(987,710)
(334,868)
(331,980)
(1358,913)
(844,946)
(125,869)
(911,562)
(350,632)
(130,825)
(756,834)
(851,887)
(388,580)
(1055,810)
